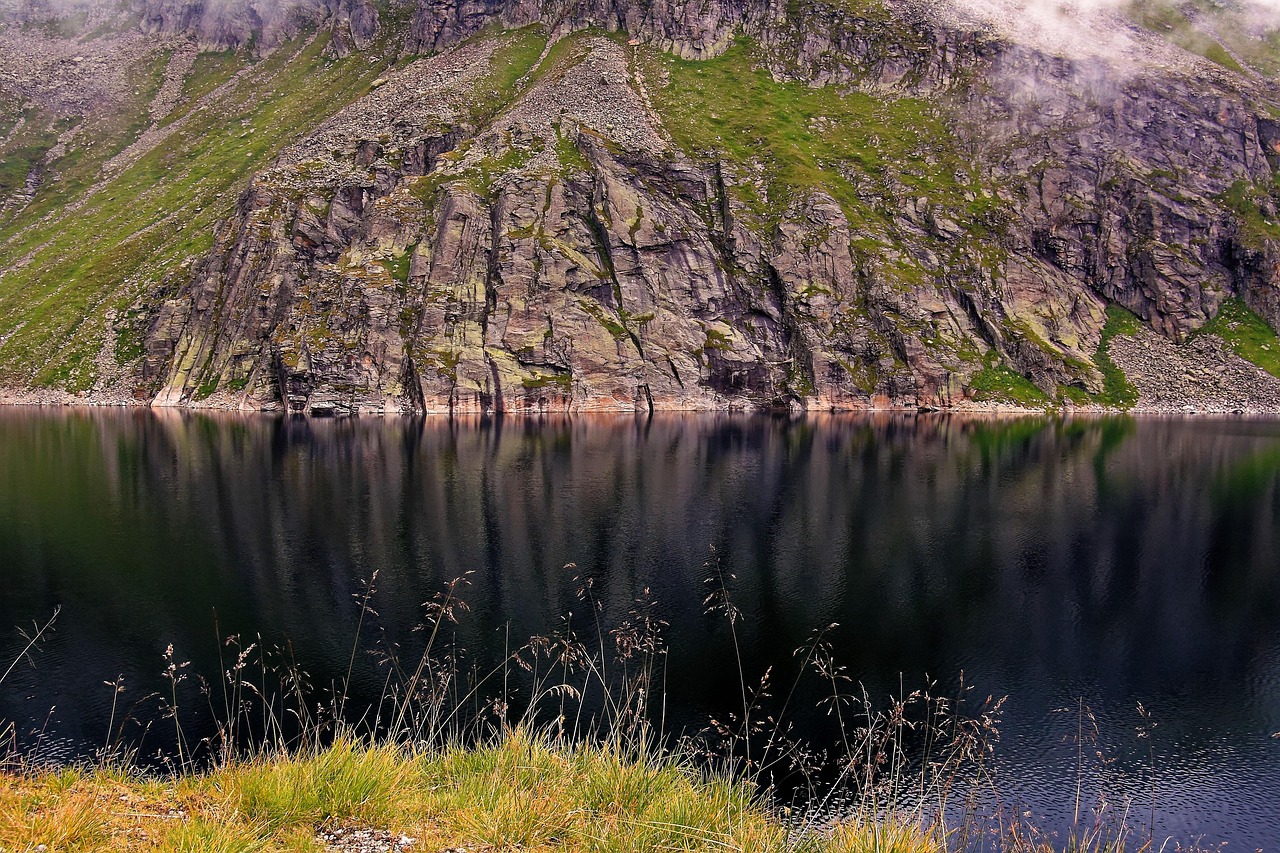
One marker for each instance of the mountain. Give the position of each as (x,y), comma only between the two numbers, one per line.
(546,205)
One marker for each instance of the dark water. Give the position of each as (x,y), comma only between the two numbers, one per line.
(1113,561)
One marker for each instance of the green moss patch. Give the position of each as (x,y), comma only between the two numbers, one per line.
(997,382)
(1117,391)
(1247,334)
(861,149)
(1247,200)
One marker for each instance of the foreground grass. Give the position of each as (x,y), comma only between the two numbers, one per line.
(517,793)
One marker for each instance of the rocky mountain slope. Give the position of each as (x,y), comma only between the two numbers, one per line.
(512,205)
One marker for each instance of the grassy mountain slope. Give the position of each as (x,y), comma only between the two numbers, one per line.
(949,267)
(91,249)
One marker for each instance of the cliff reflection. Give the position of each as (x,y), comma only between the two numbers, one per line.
(1047,558)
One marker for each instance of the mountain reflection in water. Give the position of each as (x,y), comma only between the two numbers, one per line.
(1116,560)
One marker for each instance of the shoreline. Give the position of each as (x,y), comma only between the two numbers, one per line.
(514,790)
(37,400)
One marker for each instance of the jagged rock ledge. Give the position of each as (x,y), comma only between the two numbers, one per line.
(526,221)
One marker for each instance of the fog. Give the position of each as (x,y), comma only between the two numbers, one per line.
(1070,28)
(1100,28)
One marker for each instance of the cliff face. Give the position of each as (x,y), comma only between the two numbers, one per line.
(569,252)
(213,25)
(263,24)
(607,205)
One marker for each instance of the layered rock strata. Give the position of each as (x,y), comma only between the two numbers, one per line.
(525,216)
(566,253)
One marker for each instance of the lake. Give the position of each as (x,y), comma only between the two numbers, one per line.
(1105,561)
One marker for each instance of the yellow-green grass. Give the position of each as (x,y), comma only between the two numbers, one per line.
(150,221)
(519,792)
(152,216)
(860,148)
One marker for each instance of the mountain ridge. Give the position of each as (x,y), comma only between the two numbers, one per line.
(616,205)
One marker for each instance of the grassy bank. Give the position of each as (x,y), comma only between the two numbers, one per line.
(517,793)
(564,746)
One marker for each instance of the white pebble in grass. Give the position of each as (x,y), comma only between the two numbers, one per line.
(348,840)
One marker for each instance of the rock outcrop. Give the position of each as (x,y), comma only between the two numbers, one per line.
(526,216)
(214,24)
(566,253)
(264,24)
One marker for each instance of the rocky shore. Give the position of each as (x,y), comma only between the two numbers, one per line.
(1201,376)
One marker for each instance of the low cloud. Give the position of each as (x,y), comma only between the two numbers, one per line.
(1103,28)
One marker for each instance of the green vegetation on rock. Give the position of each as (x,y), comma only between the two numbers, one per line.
(560,381)
(847,164)
(66,177)
(1247,334)
(1254,206)
(24,151)
(859,148)
(208,72)
(1213,30)
(1117,391)
(1170,22)
(513,59)
(107,247)
(997,382)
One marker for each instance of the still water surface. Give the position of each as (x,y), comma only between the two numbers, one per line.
(1111,561)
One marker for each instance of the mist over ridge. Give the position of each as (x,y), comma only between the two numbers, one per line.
(1073,28)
